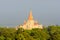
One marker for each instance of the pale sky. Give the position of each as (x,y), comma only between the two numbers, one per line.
(14,12)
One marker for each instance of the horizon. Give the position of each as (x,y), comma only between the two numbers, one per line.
(14,12)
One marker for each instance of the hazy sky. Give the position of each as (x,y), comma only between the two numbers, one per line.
(14,12)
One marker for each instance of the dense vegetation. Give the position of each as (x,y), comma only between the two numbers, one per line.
(48,33)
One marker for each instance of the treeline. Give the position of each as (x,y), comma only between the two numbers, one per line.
(48,33)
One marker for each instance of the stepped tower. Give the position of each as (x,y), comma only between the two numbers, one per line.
(30,23)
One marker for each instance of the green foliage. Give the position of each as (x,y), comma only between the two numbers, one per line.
(2,37)
(20,37)
(48,33)
(54,32)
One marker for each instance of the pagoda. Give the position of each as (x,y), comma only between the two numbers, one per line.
(30,23)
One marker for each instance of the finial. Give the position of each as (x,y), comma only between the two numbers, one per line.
(30,15)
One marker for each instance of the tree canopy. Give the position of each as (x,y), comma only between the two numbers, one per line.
(48,33)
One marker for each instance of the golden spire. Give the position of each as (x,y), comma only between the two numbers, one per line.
(30,16)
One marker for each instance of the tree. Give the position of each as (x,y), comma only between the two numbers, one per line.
(20,37)
(54,32)
(2,37)
(39,34)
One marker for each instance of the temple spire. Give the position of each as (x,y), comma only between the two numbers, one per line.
(30,15)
